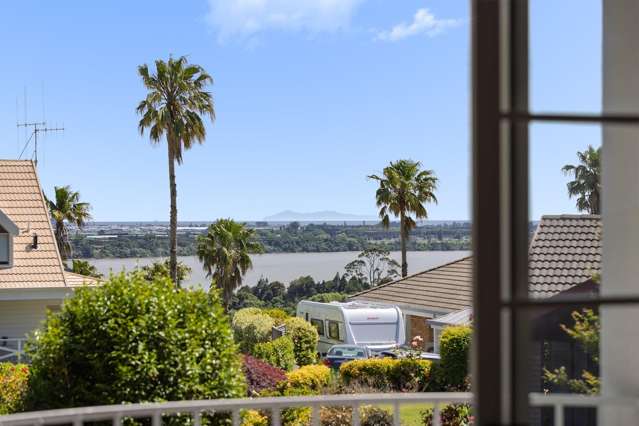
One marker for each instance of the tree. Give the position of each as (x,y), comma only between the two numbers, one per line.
(373,266)
(162,270)
(224,252)
(173,108)
(586,185)
(67,209)
(403,190)
(83,267)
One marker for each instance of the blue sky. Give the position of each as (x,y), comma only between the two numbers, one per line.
(311,96)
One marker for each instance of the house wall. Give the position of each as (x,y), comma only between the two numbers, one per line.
(417,326)
(20,317)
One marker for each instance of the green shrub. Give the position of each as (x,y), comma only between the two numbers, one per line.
(376,416)
(307,380)
(130,340)
(387,374)
(454,351)
(250,327)
(450,415)
(343,416)
(13,387)
(305,339)
(328,297)
(279,315)
(254,418)
(278,352)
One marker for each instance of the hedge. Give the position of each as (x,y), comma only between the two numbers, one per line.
(310,379)
(386,374)
(261,376)
(250,327)
(13,387)
(305,339)
(278,352)
(454,351)
(130,340)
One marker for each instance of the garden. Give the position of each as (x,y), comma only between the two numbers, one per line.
(133,340)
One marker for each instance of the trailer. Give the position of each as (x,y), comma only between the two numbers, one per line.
(379,327)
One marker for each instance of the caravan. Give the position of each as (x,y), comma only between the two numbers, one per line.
(376,326)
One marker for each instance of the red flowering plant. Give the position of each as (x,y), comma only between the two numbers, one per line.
(14,381)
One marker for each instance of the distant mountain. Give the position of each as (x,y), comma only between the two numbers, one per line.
(327,215)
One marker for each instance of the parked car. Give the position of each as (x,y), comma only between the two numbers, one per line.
(339,354)
(376,326)
(406,352)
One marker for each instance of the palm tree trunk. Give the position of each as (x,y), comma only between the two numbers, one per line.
(172,216)
(59,236)
(403,237)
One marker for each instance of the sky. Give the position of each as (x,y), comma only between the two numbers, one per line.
(311,96)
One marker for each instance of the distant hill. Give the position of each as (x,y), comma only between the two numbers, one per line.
(326,215)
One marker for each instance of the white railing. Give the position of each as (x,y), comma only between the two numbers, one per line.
(12,349)
(195,409)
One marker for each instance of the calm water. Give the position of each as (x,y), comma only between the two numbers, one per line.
(285,267)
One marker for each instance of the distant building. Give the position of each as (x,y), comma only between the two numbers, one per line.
(32,275)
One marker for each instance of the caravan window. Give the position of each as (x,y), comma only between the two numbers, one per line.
(333,330)
(319,325)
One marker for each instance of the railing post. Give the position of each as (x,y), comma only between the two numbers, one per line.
(276,416)
(356,419)
(437,420)
(19,350)
(559,414)
(397,421)
(315,415)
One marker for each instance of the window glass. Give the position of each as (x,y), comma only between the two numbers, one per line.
(4,249)
(333,330)
(319,325)
(348,351)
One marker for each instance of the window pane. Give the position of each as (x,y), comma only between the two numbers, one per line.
(319,325)
(4,248)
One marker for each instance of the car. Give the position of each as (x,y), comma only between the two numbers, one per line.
(339,354)
(406,353)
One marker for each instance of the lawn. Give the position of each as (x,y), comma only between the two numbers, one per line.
(410,413)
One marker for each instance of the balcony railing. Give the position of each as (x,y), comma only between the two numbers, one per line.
(195,409)
(12,349)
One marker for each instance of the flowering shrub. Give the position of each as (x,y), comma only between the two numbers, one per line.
(386,374)
(278,352)
(310,379)
(13,387)
(450,415)
(260,375)
(305,339)
(250,327)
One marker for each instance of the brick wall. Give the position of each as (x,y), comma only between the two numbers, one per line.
(417,327)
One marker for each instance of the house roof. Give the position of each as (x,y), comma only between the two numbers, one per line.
(565,251)
(443,289)
(463,317)
(22,201)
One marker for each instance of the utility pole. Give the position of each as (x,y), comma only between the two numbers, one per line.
(38,127)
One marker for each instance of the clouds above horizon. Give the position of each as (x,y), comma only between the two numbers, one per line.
(424,22)
(246,18)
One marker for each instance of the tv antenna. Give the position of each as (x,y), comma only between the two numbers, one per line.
(38,127)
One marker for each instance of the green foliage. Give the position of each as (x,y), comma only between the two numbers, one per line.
(130,340)
(376,416)
(83,267)
(450,415)
(585,331)
(278,352)
(586,185)
(328,297)
(374,266)
(67,209)
(225,254)
(254,418)
(305,339)
(454,352)
(250,327)
(343,416)
(279,315)
(387,374)
(13,387)
(310,379)
(161,270)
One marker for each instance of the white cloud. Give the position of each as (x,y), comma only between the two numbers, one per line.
(424,22)
(245,18)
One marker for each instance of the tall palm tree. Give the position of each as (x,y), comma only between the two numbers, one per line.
(173,108)
(224,253)
(586,185)
(403,189)
(67,209)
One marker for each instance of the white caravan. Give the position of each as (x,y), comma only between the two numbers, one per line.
(376,326)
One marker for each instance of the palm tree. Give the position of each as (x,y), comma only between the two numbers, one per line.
(173,108)
(586,185)
(224,253)
(67,209)
(403,190)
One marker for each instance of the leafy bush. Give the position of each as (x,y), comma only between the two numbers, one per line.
(310,379)
(250,327)
(454,350)
(260,375)
(13,387)
(450,415)
(387,374)
(305,339)
(279,315)
(343,416)
(278,352)
(375,416)
(130,340)
(254,418)
(329,297)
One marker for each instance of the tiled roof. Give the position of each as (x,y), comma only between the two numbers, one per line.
(21,199)
(446,288)
(565,250)
(463,317)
